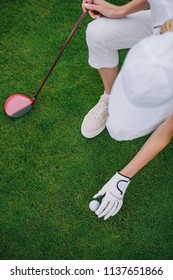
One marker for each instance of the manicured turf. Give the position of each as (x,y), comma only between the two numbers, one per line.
(49,172)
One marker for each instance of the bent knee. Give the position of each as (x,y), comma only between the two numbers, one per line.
(107,31)
(99,33)
(94,34)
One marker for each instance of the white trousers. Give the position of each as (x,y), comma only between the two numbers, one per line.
(106,36)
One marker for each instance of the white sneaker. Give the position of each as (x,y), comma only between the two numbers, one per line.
(95,121)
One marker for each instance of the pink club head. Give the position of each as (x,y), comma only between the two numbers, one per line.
(18,105)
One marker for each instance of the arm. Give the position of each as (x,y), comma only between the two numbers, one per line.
(154,145)
(135,6)
(114,190)
(107,9)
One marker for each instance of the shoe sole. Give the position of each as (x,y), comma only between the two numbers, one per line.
(93,134)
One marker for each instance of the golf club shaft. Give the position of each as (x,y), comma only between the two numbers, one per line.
(60,53)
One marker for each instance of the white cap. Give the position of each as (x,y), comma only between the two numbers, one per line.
(144,86)
(161,11)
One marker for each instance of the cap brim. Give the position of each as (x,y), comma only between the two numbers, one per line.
(131,117)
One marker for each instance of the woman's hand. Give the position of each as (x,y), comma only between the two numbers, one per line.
(98,8)
(167,26)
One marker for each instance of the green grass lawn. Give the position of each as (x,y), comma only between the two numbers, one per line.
(49,171)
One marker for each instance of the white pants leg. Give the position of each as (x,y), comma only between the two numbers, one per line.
(106,36)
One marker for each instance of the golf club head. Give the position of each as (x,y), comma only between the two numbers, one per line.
(17,105)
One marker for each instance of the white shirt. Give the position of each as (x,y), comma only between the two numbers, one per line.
(161,11)
(129,119)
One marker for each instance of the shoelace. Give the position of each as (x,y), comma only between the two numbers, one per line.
(101,108)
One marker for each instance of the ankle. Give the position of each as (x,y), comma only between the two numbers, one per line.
(106,95)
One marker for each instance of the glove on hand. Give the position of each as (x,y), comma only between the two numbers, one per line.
(114,191)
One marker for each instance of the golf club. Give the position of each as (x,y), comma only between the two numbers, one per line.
(17,105)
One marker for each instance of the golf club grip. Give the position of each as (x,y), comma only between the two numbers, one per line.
(60,53)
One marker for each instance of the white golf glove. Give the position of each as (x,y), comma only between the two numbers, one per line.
(114,191)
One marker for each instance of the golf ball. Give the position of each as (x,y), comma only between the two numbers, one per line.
(94,205)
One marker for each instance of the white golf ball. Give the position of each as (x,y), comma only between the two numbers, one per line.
(94,205)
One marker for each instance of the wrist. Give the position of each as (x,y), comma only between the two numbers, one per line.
(119,11)
(128,173)
(124,175)
(135,6)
